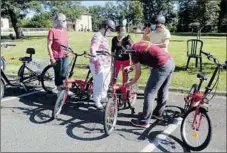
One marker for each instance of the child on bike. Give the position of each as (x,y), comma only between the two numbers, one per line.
(158,82)
(57,36)
(100,65)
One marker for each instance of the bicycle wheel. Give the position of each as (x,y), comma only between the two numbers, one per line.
(47,78)
(59,103)
(193,137)
(26,76)
(188,103)
(132,94)
(110,118)
(2,89)
(89,88)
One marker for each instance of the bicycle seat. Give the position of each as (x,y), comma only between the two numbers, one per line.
(30,51)
(201,76)
(128,69)
(25,59)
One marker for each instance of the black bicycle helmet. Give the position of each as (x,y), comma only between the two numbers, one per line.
(110,24)
(159,19)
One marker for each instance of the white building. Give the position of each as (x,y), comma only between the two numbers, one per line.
(4,24)
(84,23)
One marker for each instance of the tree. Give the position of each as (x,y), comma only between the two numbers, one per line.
(155,7)
(222,18)
(206,12)
(41,20)
(132,11)
(15,10)
(186,9)
(203,12)
(72,9)
(97,16)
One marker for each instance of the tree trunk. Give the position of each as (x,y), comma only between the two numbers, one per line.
(14,21)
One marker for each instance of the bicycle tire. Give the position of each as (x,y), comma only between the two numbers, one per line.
(208,138)
(59,104)
(188,106)
(89,88)
(2,89)
(113,102)
(21,73)
(133,90)
(43,79)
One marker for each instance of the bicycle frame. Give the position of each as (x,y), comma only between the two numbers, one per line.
(199,98)
(82,85)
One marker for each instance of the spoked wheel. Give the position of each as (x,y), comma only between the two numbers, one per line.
(47,79)
(110,118)
(133,94)
(2,90)
(197,137)
(188,102)
(59,103)
(89,88)
(26,76)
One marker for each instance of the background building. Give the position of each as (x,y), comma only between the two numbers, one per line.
(4,24)
(84,23)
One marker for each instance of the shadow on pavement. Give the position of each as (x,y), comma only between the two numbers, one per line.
(169,143)
(82,120)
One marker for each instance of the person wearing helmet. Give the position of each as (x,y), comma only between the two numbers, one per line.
(160,35)
(121,61)
(163,66)
(100,65)
(57,36)
(147,32)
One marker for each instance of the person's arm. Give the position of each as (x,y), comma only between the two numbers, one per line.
(137,74)
(165,44)
(95,42)
(165,40)
(49,46)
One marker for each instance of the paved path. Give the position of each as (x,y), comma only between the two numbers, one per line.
(26,126)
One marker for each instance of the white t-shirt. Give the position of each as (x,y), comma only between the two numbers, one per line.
(160,37)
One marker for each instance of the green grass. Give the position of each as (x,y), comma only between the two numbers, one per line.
(80,42)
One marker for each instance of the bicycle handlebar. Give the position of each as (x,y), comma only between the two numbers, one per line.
(215,60)
(71,51)
(210,56)
(102,52)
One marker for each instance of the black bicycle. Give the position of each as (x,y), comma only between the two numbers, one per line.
(31,71)
(7,82)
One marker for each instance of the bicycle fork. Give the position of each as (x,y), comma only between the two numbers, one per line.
(194,123)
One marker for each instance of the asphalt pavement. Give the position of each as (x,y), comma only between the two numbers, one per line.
(26,126)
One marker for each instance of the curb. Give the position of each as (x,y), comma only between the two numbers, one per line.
(171,89)
(184,90)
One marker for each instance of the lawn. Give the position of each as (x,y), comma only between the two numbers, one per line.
(80,42)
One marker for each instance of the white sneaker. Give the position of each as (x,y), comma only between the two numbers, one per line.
(99,105)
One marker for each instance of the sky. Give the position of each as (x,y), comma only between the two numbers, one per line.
(85,3)
(91,3)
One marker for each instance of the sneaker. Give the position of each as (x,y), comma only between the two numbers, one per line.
(99,105)
(140,123)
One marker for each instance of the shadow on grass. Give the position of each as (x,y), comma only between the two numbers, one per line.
(178,40)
